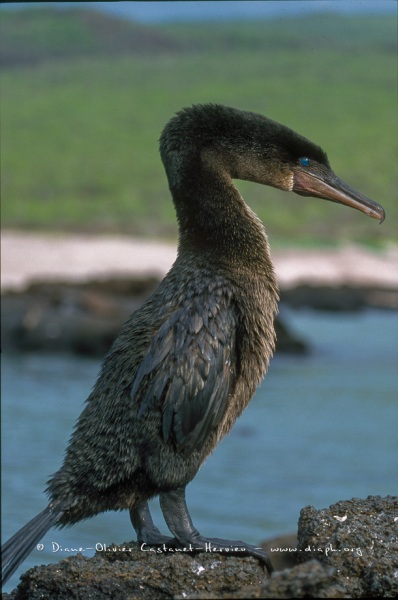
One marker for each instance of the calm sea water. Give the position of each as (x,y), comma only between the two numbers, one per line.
(321,428)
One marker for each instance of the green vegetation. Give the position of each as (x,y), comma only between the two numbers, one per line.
(81,117)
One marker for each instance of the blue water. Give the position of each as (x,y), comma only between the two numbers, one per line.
(163,12)
(321,428)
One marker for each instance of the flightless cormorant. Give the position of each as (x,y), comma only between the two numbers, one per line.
(186,364)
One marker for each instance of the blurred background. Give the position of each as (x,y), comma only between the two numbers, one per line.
(86,89)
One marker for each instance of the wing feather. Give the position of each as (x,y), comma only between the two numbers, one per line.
(188,369)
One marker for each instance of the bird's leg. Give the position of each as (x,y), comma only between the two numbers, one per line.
(175,512)
(146,530)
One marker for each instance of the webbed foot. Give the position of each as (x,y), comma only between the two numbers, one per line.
(179,522)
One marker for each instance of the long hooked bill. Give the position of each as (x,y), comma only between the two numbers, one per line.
(330,187)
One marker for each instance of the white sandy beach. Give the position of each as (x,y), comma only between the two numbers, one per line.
(28,257)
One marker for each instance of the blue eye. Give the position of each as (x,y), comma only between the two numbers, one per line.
(304,161)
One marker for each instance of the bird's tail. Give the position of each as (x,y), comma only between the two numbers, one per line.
(17,548)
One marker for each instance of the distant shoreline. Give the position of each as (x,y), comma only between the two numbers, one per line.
(32,256)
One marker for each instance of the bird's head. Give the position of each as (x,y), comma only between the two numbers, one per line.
(282,158)
(246,145)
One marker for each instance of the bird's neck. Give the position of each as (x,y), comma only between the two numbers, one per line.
(215,222)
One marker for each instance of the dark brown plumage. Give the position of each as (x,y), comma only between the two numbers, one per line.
(187,363)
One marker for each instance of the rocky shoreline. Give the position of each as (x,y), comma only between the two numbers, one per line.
(349,550)
(84,318)
(72,294)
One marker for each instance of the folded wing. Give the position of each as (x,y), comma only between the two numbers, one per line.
(189,370)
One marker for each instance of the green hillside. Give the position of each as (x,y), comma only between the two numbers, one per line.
(85,96)
(34,36)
